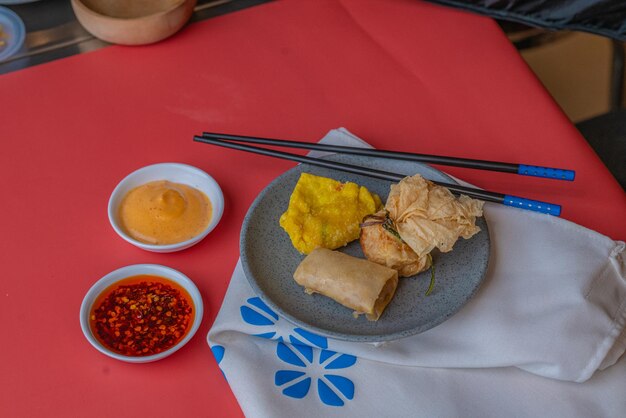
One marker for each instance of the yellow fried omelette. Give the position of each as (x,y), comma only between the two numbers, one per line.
(326,213)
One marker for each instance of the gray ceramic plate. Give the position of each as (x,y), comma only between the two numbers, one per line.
(269,261)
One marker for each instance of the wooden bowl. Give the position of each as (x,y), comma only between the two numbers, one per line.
(135,22)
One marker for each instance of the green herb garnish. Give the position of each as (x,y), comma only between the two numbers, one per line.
(432,275)
(386,222)
(390,227)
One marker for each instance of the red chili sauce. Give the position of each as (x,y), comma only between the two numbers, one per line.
(142,315)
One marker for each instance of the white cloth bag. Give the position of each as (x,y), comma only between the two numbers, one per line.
(534,341)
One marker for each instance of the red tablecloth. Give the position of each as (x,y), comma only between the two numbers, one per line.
(401,74)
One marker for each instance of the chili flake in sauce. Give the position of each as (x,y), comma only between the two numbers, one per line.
(142,315)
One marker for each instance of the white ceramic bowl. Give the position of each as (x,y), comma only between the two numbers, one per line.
(177,173)
(134,270)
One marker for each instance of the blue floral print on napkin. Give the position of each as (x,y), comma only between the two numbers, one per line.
(316,362)
(218,353)
(257,313)
(308,352)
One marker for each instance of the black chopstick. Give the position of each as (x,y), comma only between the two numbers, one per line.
(508,200)
(521,169)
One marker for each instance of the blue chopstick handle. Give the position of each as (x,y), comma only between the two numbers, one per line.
(546,172)
(534,205)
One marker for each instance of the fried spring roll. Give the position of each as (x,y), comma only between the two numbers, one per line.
(355,283)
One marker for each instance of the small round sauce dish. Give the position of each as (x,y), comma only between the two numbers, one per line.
(141,313)
(156,207)
(12,33)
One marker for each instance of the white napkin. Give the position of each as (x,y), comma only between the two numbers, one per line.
(551,312)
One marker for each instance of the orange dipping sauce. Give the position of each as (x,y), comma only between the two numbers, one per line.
(142,315)
(161,212)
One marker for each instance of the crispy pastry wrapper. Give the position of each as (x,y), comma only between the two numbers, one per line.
(355,283)
(383,247)
(427,215)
